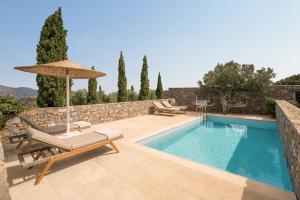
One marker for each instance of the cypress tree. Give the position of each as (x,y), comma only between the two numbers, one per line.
(122,81)
(132,96)
(101,95)
(159,88)
(92,91)
(52,47)
(144,90)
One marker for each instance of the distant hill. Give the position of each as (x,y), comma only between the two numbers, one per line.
(20,92)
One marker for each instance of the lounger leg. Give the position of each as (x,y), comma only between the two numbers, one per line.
(114,146)
(26,148)
(19,145)
(44,171)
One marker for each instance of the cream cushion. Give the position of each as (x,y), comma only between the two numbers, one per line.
(48,139)
(84,139)
(111,133)
(83,124)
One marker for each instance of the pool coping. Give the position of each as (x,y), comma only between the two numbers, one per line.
(269,190)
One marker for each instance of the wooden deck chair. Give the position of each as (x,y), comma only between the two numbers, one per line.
(168,105)
(54,149)
(160,109)
(21,138)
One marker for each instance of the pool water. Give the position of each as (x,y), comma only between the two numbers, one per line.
(249,148)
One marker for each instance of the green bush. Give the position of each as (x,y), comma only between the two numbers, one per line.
(152,95)
(270,106)
(2,121)
(111,97)
(79,97)
(9,107)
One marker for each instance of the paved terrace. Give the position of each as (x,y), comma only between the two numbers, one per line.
(136,172)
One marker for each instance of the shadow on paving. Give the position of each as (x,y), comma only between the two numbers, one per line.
(17,172)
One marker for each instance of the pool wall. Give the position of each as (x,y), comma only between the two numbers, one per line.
(288,119)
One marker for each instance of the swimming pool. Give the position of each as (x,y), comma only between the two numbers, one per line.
(249,148)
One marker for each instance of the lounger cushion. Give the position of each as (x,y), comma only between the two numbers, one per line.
(161,107)
(167,104)
(48,139)
(83,124)
(50,130)
(111,133)
(59,128)
(84,139)
(32,123)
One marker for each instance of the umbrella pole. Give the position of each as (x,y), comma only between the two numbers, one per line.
(68,101)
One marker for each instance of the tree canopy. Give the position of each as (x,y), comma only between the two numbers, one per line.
(101,95)
(231,79)
(122,81)
(132,95)
(159,88)
(144,90)
(92,97)
(9,107)
(79,97)
(52,47)
(291,80)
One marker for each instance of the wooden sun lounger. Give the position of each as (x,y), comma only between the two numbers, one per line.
(53,149)
(168,105)
(21,138)
(160,109)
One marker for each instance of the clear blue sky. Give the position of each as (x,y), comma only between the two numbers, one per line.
(182,39)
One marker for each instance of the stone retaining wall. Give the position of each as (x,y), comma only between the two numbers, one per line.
(183,96)
(4,191)
(288,119)
(186,96)
(96,113)
(284,92)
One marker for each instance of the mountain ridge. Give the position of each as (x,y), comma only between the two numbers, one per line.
(18,92)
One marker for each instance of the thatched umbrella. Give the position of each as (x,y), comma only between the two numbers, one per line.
(63,69)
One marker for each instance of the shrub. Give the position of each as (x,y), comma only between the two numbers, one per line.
(111,97)
(270,106)
(79,97)
(132,95)
(9,107)
(2,121)
(152,95)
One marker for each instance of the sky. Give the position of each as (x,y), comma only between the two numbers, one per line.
(183,40)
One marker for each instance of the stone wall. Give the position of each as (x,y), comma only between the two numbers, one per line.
(4,191)
(186,96)
(96,113)
(183,96)
(288,119)
(284,92)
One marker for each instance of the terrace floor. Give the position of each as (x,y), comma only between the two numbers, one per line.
(137,172)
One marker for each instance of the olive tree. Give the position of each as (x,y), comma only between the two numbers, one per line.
(231,79)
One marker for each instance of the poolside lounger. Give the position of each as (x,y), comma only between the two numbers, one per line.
(21,138)
(55,149)
(168,105)
(160,109)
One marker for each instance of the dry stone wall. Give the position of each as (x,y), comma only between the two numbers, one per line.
(288,119)
(96,113)
(186,96)
(4,191)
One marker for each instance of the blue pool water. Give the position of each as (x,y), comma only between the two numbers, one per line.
(249,148)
